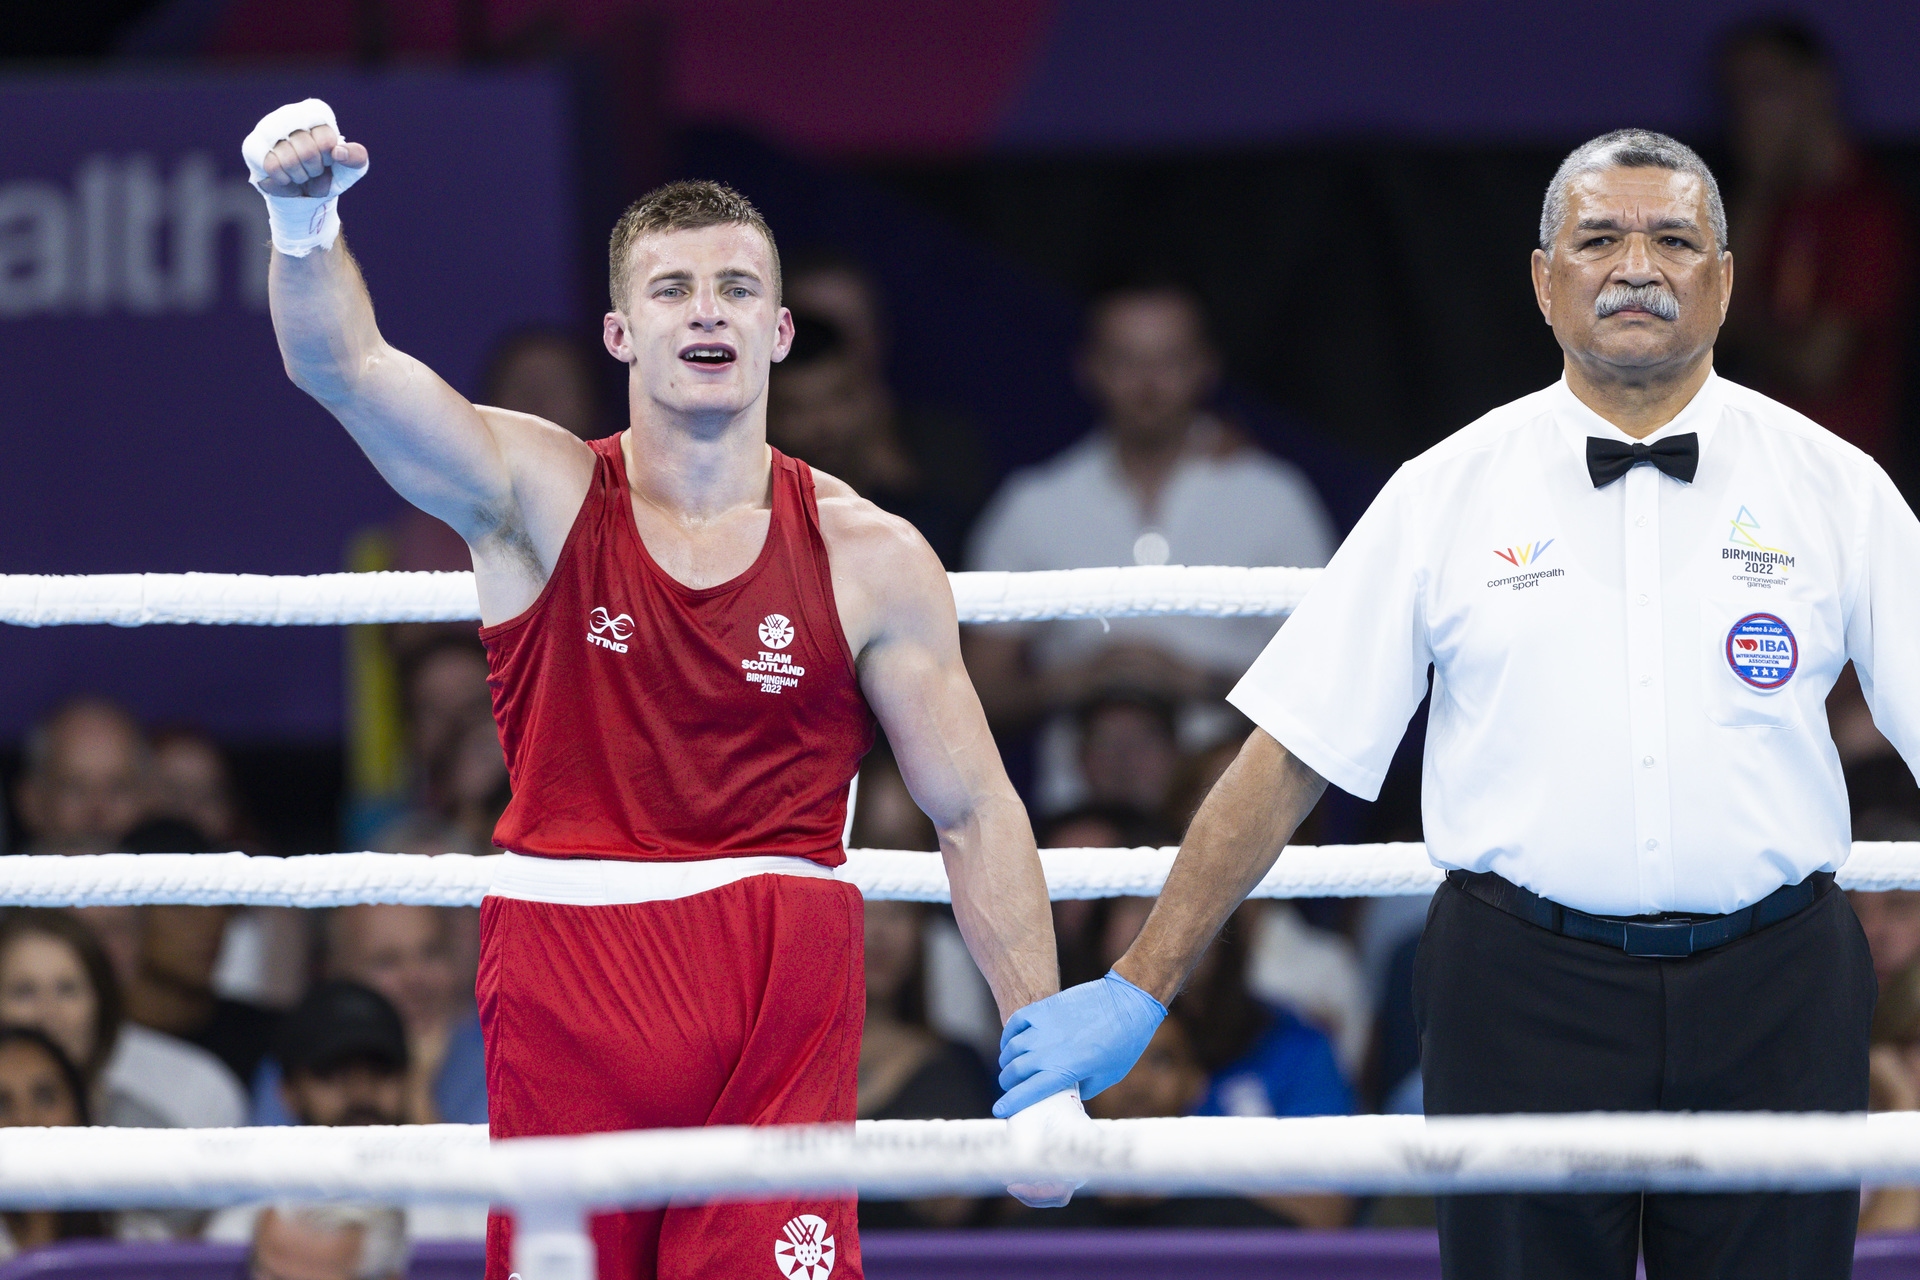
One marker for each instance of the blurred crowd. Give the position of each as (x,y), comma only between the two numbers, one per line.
(211,1016)
(171,1016)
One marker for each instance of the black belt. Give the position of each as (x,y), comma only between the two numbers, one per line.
(1671,935)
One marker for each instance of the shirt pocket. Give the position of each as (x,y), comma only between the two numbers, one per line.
(1752,660)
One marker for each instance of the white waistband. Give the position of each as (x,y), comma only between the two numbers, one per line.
(605,882)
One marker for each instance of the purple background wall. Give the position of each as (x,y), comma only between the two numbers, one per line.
(955,1255)
(146,423)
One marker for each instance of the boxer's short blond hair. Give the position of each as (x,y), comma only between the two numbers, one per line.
(681,206)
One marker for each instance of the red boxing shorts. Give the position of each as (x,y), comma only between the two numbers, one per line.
(741,1004)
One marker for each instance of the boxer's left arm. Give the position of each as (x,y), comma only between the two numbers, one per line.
(898,610)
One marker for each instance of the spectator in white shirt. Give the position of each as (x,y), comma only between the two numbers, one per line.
(1633,591)
(1161,481)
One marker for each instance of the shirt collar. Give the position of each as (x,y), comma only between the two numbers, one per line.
(1204,441)
(1577,421)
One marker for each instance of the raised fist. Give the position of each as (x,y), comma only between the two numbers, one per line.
(302,163)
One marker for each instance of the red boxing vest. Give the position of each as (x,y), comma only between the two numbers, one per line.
(646,720)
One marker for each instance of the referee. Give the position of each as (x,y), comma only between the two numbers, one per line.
(1634,590)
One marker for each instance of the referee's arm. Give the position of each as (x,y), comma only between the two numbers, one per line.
(1235,839)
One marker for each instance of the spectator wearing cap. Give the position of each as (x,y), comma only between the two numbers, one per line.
(343,1058)
(406,953)
(343,1050)
(328,1242)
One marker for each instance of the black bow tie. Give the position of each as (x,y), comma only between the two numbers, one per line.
(1608,460)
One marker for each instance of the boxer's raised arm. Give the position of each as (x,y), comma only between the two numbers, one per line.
(509,483)
(908,648)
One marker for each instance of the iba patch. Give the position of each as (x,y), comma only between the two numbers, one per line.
(1761,650)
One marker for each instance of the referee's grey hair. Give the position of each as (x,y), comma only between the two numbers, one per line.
(1629,149)
(384,1251)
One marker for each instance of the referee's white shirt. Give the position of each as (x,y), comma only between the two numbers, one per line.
(1629,683)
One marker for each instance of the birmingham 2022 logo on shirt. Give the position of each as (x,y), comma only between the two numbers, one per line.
(804,1250)
(1755,562)
(773,670)
(608,630)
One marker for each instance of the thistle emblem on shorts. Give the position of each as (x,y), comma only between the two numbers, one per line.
(776,632)
(804,1250)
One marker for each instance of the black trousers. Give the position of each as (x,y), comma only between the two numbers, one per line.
(1514,1018)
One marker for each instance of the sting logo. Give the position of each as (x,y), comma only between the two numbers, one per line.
(609,631)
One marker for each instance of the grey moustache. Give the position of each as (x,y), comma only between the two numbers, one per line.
(1650,298)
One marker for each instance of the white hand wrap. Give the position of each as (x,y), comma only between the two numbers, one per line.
(1048,1127)
(300,224)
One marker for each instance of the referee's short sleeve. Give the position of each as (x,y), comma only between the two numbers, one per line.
(1339,682)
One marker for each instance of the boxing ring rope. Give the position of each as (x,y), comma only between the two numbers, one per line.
(896,1159)
(461,880)
(333,599)
(549,1183)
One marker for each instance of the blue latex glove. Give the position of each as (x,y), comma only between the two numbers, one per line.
(1090,1035)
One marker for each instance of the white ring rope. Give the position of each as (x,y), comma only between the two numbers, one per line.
(461,880)
(152,1168)
(331,599)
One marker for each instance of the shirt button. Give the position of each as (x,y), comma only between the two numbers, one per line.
(1653,844)
(1647,761)
(1645,681)
(1643,598)
(1641,522)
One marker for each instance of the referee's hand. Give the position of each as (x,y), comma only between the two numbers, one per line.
(1089,1035)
